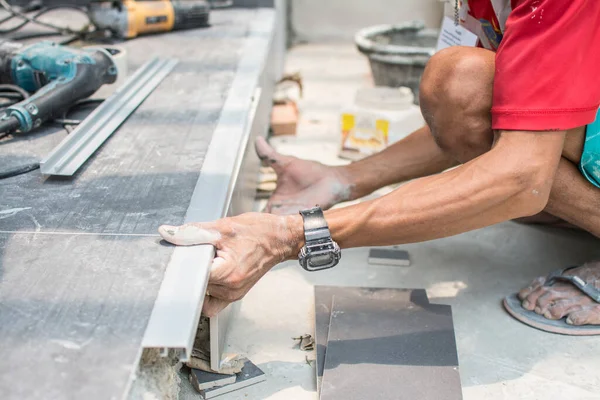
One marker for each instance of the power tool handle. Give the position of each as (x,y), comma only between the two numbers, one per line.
(57,96)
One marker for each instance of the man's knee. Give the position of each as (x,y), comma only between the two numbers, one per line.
(459,76)
(456,96)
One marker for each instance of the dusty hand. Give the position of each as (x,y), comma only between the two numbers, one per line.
(247,246)
(302,184)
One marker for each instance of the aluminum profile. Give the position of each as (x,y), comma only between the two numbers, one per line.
(175,317)
(66,158)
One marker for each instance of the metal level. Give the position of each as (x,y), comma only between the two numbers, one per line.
(79,145)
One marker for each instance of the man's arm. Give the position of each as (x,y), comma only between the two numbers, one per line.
(301,183)
(511,180)
(415,156)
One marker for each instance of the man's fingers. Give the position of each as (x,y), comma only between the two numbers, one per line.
(189,234)
(267,208)
(225,292)
(268,155)
(219,271)
(264,150)
(212,306)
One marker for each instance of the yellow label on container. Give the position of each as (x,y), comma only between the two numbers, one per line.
(383,126)
(364,133)
(347,122)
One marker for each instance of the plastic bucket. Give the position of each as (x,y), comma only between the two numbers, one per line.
(398,53)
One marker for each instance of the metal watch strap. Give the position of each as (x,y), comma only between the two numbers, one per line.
(320,251)
(315,225)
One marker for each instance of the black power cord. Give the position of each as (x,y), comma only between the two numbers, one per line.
(23,169)
(26,19)
(12,95)
(67,124)
(34,19)
(80,104)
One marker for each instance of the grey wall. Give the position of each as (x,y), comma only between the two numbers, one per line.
(334,20)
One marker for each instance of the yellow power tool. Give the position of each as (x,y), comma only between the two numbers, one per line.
(128,19)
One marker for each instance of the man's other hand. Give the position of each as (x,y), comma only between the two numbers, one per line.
(302,184)
(246,247)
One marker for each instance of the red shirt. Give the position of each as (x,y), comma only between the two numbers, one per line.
(547,60)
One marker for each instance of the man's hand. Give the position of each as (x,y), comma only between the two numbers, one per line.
(302,184)
(246,247)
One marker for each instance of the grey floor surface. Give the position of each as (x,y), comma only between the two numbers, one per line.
(80,258)
(499,357)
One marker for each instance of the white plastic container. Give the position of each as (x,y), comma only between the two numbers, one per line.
(379,117)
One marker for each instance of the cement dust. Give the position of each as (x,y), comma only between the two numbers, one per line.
(156,377)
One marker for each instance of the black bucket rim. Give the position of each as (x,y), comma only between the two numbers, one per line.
(369,47)
(413,59)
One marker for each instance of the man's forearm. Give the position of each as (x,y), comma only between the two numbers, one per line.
(495,187)
(413,157)
(426,209)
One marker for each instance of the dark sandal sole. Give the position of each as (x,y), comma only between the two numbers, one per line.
(512,304)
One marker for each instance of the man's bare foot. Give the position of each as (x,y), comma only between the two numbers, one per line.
(302,184)
(563,299)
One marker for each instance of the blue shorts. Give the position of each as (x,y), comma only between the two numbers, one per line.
(590,158)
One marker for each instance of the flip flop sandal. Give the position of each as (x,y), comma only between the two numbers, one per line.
(512,304)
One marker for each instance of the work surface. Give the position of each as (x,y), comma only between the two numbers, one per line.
(499,357)
(80,260)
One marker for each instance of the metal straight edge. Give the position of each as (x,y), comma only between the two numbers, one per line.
(218,324)
(176,313)
(79,145)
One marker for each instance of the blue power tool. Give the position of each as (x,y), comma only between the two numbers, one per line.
(60,76)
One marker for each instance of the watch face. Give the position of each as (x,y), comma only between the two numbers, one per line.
(321,259)
(319,256)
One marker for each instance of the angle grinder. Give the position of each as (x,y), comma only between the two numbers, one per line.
(128,19)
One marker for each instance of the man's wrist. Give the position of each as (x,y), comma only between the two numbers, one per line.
(347,178)
(295,236)
(359,182)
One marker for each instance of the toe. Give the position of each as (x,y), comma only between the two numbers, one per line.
(589,315)
(547,299)
(550,295)
(537,283)
(561,308)
(530,301)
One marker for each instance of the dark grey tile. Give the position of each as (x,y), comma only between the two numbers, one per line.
(323,302)
(249,375)
(203,380)
(73,311)
(383,345)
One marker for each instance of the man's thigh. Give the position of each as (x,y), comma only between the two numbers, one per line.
(456,100)
(574,144)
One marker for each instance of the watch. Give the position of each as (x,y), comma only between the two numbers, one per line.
(320,251)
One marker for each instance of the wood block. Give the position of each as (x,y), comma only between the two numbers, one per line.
(284,119)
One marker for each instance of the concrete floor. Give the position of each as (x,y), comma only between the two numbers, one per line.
(500,358)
